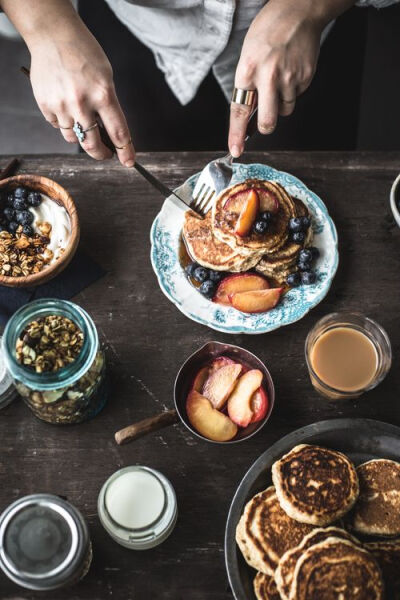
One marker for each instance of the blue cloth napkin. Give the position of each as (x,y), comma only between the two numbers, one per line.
(80,273)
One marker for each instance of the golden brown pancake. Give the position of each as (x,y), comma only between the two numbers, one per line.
(377,510)
(387,555)
(315,485)
(265,587)
(337,570)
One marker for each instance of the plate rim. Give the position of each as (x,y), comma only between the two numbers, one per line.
(238,330)
(280,446)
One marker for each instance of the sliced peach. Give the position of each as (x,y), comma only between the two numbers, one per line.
(200,379)
(236,202)
(259,405)
(268,200)
(220,384)
(240,408)
(240,282)
(207,420)
(257,301)
(221,361)
(248,214)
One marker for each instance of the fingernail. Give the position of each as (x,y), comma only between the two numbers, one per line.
(235,151)
(129,163)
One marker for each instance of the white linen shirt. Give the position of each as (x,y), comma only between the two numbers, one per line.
(190,37)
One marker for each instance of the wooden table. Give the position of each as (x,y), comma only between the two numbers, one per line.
(147,339)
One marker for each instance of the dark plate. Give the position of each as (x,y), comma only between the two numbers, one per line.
(360,439)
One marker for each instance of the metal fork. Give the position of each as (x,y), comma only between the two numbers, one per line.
(217,175)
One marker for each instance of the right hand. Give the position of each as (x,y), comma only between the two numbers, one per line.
(72,80)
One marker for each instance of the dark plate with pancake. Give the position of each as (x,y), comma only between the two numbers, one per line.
(360,439)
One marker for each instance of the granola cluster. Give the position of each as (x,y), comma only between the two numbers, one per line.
(22,255)
(49,343)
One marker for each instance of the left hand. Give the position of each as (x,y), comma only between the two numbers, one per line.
(278,59)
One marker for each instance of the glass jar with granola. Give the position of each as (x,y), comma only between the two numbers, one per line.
(52,351)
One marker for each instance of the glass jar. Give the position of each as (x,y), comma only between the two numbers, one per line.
(74,393)
(44,543)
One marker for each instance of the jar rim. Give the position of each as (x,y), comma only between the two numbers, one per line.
(66,375)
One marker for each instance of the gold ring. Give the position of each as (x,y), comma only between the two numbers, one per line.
(125,146)
(245,97)
(61,127)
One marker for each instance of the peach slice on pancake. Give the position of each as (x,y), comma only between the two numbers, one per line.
(256,301)
(240,282)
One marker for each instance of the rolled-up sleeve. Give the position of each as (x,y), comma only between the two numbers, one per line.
(377,3)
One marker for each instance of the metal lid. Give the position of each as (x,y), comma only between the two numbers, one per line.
(43,541)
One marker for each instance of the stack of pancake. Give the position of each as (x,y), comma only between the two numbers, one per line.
(299,534)
(212,241)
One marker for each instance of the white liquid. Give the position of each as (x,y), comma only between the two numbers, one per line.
(135,499)
(50,212)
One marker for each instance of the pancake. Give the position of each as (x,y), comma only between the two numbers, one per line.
(265,587)
(285,572)
(387,555)
(315,485)
(226,209)
(204,248)
(377,511)
(265,532)
(336,569)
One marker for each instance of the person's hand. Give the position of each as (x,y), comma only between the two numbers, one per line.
(72,81)
(278,59)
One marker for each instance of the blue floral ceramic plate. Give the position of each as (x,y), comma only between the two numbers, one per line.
(165,241)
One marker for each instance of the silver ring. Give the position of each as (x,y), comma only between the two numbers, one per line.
(245,97)
(80,132)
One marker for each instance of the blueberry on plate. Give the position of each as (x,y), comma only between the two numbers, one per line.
(260,227)
(308,277)
(305,255)
(304,266)
(266,216)
(34,198)
(295,224)
(20,192)
(293,279)
(28,230)
(298,237)
(306,222)
(216,276)
(13,226)
(207,288)
(315,252)
(24,217)
(9,213)
(200,274)
(189,269)
(20,204)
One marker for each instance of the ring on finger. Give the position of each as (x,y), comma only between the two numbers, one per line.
(240,96)
(62,127)
(125,145)
(80,132)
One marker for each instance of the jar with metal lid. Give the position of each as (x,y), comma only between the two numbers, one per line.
(71,394)
(137,507)
(44,543)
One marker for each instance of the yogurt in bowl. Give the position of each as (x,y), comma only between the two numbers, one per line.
(52,213)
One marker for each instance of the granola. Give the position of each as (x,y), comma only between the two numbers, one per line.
(22,255)
(49,343)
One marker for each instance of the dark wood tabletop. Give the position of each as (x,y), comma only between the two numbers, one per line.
(147,339)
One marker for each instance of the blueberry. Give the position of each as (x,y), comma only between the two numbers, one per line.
(308,277)
(293,279)
(304,266)
(260,227)
(305,255)
(9,213)
(296,224)
(189,269)
(200,274)
(20,192)
(10,199)
(298,237)
(266,216)
(34,198)
(28,230)
(216,276)
(207,288)
(306,222)
(24,217)
(315,252)
(20,204)
(12,226)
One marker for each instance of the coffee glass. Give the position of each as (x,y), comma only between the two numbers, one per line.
(357,322)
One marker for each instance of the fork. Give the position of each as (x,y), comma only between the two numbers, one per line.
(217,175)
